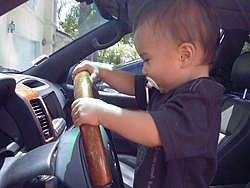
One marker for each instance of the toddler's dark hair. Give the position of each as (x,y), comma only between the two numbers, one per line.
(192,21)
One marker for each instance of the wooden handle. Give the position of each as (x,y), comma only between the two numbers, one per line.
(91,137)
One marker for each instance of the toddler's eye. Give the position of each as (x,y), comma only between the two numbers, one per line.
(146,60)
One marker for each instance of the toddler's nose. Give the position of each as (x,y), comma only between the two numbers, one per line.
(144,72)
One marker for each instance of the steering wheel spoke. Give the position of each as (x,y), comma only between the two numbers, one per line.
(96,157)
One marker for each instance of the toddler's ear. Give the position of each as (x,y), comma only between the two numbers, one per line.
(186,54)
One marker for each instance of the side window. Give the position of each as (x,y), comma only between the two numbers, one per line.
(246,47)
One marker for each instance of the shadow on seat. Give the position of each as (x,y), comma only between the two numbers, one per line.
(234,141)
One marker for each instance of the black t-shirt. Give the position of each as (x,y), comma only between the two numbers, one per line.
(188,121)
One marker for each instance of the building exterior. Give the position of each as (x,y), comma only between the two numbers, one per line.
(29,31)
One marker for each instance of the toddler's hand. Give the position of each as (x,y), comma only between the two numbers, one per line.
(85,111)
(89,66)
(94,68)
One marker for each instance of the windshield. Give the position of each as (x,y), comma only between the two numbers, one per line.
(39,28)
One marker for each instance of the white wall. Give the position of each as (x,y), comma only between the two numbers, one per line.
(33,23)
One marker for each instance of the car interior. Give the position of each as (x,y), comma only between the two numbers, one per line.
(39,145)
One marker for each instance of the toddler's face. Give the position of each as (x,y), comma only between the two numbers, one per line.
(160,56)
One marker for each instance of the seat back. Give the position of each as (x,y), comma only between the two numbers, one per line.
(234,140)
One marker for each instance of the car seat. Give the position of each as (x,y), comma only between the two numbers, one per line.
(234,140)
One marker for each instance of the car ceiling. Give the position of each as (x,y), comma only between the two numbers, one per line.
(7,5)
(234,14)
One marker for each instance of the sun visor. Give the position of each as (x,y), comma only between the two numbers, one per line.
(108,9)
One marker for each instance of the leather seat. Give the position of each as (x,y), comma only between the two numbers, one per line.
(234,140)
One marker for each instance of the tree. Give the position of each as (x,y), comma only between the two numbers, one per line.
(60,6)
(246,47)
(70,24)
(121,52)
(81,18)
(88,18)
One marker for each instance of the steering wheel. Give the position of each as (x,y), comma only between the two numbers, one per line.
(99,170)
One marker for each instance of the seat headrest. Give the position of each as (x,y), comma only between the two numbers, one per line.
(241,71)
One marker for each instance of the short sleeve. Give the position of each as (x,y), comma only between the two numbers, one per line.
(183,125)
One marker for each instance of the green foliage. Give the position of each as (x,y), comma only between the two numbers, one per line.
(93,18)
(128,39)
(120,53)
(70,25)
(246,47)
(81,18)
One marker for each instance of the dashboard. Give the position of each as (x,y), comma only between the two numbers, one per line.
(32,112)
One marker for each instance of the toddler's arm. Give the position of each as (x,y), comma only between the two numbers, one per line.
(119,80)
(137,126)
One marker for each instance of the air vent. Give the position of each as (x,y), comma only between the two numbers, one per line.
(40,114)
(33,83)
(64,93)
